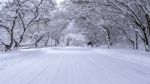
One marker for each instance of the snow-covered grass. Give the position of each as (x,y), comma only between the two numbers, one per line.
(135,56)
(13,57)
(74,65)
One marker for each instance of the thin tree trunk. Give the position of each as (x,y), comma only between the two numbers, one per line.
(146,41)
(136,42)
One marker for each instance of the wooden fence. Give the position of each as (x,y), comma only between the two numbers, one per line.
(2,47)
(25,46)
(84,1)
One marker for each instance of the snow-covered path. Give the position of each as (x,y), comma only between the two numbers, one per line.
(70,66)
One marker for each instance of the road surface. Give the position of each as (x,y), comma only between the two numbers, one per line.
(70,66)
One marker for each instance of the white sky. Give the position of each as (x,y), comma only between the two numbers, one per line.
(59,1)
(3,0)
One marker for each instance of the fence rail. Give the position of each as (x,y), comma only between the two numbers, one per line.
(2,47)
(25,46)
(85,1)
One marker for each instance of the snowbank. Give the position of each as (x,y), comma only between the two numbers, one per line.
(139,57)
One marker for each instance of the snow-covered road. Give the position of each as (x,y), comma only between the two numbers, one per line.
(70,66)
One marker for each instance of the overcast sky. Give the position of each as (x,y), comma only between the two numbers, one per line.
(2,4)
(3,0)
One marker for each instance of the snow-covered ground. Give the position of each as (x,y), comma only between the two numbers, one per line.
(75,66)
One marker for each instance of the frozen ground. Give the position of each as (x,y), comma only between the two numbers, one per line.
(75,66)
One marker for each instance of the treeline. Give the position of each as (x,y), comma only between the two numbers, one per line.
(100,22)
(34,22)
(114,21)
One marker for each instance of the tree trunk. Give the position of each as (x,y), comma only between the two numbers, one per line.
(146,40)
(57,42)
(46,42)
(146,47)
(133,44)
(36,44)
(136,41)
(109,39)
(68,41)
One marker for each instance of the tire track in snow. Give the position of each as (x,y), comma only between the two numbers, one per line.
(73,67)
(110,66)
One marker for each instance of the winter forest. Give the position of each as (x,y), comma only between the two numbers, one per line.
(107,23)
(74,41)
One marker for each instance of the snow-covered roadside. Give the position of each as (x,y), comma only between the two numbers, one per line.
(134,56)
(14,57)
